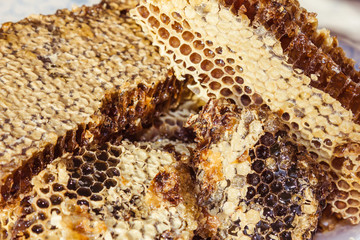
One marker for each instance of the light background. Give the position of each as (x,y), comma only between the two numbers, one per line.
(342,17)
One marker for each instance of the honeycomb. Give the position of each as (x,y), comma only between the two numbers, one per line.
(268,52)
(253,179)
(128,190)
(71,78)
(170,124)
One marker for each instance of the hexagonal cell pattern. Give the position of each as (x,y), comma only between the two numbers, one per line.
(230,58)
(254,180)
(123,191)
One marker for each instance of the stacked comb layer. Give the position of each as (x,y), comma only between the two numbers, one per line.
(93,143)
(253,179)
(267,52)
(63,76)
(111,191)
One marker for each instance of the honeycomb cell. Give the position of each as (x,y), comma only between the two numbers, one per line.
(271,200)
(85,181)
(110,183)
(177,27)
(185,49)
(225,92)
(284,197)
(257,99)
(143,11)
(251,192)
(49,178)
(188,36)
(70,195)
(89,157)
(285,236)
(42,216)
(219,62)
(286,116)
(209,53)
(267,139)
(206,65)
(267,176)
(174,42)
(42,203)
(343,185)
(100,165)
(280,210)
(77,162)
(45,190)
(295,126)
(262,152)
(227,80)
(289,220)
(353,202)
(253,179)
(295,209)
(113,162)
(352,210)
(263,226)
(87,169)
(258,166)
(239,80)
(239,69)
(96,197)
(198,44)
(247,89)
(215,86)
(102,155)
(82,202)
(277,226)
(55,199)
(217,73)
(154,23)
(164,19)
(267,212)
(229,70)
(176,16)
(219,50)
(245,100)
(340,205)
(99,176)
(356,185)
(113,172)
(263,189)
(355,194)
(58,187)
(328,142)
(238,90)
(75,175)
(37,229)
(195,58)
(186,24)
(154,9)
(83,191)
(163,33)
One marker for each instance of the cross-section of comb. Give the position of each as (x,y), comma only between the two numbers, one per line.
(265,52)
(170,124)
(64,75)
(110,191)
(254,181)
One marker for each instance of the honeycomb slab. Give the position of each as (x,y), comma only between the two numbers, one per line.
(113,191)
(258,52)
(64,75)
(253,180)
